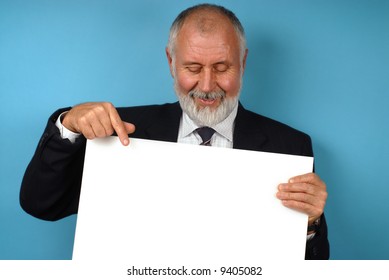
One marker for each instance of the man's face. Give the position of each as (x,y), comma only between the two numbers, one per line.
(207,63)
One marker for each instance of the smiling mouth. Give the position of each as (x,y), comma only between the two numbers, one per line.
(207,101)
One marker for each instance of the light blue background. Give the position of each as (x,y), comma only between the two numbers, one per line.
(320,66)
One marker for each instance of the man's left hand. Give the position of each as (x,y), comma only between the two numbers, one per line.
(306,193)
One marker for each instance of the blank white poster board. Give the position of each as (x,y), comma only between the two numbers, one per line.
(160,204)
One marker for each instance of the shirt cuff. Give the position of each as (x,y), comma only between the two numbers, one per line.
(64,132)
(310,236)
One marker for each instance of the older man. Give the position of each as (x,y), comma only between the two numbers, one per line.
(207,55)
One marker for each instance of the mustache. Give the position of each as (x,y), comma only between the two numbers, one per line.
(207,95)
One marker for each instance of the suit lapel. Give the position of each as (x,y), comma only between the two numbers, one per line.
(247,133)
(166,125)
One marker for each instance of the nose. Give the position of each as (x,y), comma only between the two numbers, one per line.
(207,82)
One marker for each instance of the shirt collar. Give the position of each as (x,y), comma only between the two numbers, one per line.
(224,128)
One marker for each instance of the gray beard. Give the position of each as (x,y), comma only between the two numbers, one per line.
(207,116)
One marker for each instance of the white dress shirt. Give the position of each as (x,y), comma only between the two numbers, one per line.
(223,136)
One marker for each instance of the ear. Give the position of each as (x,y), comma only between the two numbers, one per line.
(170,61)
(244,60)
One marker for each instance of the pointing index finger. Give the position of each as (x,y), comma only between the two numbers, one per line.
(119,126)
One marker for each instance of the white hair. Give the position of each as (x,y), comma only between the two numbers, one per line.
(179,21)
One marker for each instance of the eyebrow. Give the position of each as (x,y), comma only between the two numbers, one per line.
(188,63)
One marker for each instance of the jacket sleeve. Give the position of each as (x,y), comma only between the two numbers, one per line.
(51,185)
(318,247)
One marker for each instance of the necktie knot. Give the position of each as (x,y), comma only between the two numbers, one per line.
(206,135)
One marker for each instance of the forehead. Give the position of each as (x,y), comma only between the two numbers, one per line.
(200,46)
(207,35)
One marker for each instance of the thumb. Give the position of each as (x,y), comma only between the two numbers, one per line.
(130,128)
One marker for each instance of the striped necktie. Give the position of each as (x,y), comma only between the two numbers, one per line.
(206,135)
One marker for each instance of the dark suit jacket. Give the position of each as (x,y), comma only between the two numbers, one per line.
(51,184)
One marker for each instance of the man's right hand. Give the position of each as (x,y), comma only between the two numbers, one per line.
(96,120)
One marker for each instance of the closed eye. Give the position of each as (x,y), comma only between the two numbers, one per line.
(194,68)
(221,67)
